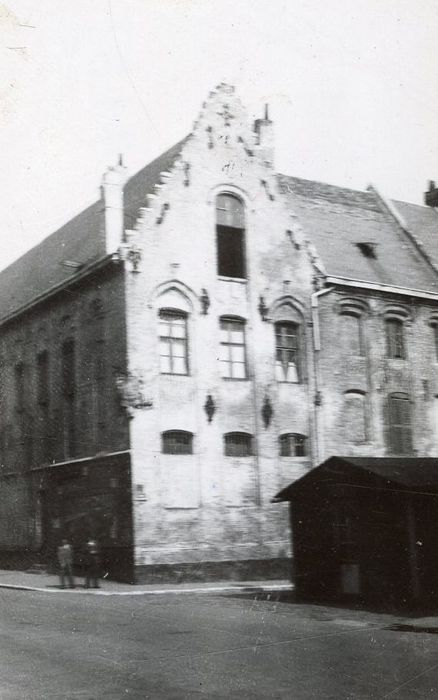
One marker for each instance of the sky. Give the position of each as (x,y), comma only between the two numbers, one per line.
(352,87)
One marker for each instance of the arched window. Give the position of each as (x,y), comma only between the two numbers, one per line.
(173,342)
(293,445)
(351,333)
(400,428)
(287,351)
(395,341)
(238,444)
(232,348)
(177,442)
(354,418)
(230,236)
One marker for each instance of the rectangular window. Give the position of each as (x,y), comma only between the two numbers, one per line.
(395,338)
(177,442)
(400,430)
(68,380)
(238,445)
(43,378)
(173,343)
(293,445)
(68,368)
(287,351)
(19,387)
(232,348)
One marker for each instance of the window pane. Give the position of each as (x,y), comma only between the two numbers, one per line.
(179,329)
(179,365)
(237,353)
(165,366)
(236,334)
(239,371)
(179,348)
(225,369)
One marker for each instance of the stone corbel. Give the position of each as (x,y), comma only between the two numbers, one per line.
(130,387)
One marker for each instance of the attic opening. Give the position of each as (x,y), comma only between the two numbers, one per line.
(368,249)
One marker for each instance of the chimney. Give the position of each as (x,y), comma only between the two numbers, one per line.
(264,130)
(431,196)
(113,182)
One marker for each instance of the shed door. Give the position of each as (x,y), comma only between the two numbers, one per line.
(346,541)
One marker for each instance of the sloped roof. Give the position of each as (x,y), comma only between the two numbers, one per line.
(423,222)
(415,474)
(81,240)
(337,219)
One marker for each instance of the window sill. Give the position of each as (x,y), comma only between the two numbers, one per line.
(284,381)
(173,374)
(239,280)
(236,379)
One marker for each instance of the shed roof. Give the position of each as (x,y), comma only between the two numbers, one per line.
(338,220)
(415,474)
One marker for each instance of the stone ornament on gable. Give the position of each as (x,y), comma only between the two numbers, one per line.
(130,387)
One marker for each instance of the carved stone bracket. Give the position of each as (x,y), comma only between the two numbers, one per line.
(130,388)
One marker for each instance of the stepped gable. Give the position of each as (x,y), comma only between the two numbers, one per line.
(423,222)
(81,240)
(143,182)
(339,221)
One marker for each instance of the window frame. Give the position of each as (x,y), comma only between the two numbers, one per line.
(173,341)
(290,444)
(230,227)
(231,449)
(169,449)
(229,344)
(280,349)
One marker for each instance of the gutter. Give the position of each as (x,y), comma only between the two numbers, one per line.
(381,287)
(319,431)
(96,265)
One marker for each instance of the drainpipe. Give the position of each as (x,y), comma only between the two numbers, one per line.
(318,422)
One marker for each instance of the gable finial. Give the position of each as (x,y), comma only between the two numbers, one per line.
(266,112)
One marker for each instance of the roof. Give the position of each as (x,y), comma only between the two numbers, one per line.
(81,240)
(423,222)
(337,219)
(415,474)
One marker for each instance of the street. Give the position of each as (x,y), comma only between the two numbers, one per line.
(83,647)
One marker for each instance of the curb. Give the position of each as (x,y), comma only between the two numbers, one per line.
(155,591)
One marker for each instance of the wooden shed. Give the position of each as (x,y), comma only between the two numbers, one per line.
(366,528)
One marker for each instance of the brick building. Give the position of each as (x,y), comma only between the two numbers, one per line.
(202,335)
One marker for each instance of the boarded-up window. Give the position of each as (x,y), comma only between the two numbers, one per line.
(351,333)
(19,387)
(43,378)
(355,416)
(230,235)
(400,429)
(395,341)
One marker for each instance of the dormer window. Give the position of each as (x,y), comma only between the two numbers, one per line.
(230,236)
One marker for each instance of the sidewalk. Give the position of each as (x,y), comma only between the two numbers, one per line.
(49,583)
